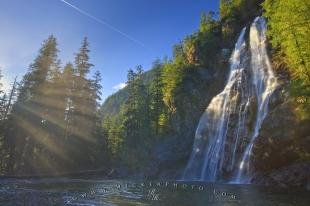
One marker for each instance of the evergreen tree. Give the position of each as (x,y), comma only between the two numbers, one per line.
(6,107)
(82,59)
(136,121)
(54,125)
(113,138)
(3,100)
(31,148)
(99,153)
(68,88)
(84,109)
(156,98)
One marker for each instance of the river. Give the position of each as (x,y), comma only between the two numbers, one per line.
(95,192)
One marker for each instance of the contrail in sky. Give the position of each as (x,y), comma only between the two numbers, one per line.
(103,23)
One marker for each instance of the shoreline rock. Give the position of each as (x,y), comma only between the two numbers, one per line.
(293,175)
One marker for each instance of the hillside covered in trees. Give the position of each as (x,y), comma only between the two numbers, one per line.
(52,121)
(196,73)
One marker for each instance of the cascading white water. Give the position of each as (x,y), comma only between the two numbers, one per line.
(264,82)
(227,130)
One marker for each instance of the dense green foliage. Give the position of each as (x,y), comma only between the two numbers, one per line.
(289,30)
(136,127)
(235,14)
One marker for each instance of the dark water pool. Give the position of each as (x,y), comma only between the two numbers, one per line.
(90,192)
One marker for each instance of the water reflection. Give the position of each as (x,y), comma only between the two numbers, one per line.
(123,193)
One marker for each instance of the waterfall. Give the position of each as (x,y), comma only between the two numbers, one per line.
(227,130)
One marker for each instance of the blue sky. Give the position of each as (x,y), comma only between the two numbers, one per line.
(157,24)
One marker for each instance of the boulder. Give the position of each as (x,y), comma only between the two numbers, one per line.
(297,174)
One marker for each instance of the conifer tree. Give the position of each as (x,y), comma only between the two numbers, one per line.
(156,97)
(83,108)
(6,107)
(68,88)
(136,121)
(27,133)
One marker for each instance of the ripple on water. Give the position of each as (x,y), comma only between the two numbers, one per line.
(176,193)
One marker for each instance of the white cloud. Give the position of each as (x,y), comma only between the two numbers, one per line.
(119,86)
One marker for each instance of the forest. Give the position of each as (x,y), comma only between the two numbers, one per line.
(53,121)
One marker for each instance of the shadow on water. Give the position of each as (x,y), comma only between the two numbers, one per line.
(65,191)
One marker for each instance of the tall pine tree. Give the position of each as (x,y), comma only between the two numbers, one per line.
(31,147)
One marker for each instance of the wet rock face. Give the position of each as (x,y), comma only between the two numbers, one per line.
(279,96)
(234,129)
(168,159)
(283,139)
(293,175)
(275,145)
